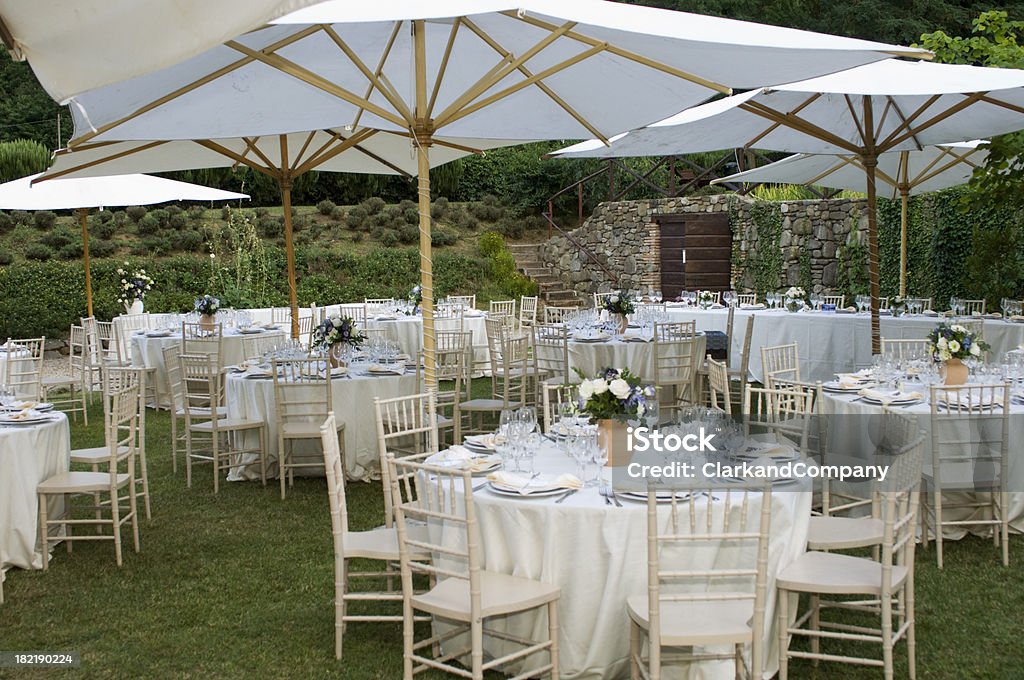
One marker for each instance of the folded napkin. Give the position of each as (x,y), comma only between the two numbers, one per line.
(387,368)
(976,315)
(523,483)
(1017,317)
(23,405)
(487,441)
(594,336)
(888,397)
(473,312)
(461,457)
(849,383)
(25,414)
(994,315)
(386,317)
(270,327)
(718,305)
(862,375)
(636,337)
(930,312)
(749,306)
(339,370)
(766,451)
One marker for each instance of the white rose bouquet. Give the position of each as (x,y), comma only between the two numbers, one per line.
(614,394)
(706,298)
(134,285)
(794,298)
(620,302)
(954,341)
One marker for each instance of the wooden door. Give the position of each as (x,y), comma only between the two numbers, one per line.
(696,252)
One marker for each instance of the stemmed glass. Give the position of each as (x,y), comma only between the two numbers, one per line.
(815,299)
(728,297)
(599,457)
(656,296)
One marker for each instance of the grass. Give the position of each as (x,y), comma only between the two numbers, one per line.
(241,584)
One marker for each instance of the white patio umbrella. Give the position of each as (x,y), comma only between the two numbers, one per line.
(903,173)
(491,69)
(98,192)
(865,112)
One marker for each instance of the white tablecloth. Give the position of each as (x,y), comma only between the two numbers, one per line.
(849,419)
(352,403)
(829,342)
(407,331)
(28,455)
(149,352)
(638,357)
(597,555)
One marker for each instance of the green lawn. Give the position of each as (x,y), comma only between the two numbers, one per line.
(240,585)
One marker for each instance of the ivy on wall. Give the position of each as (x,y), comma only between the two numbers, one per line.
(766,262)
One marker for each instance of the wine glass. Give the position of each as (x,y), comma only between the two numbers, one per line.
(505,421)
(728,297)
(652,416)
(657,295)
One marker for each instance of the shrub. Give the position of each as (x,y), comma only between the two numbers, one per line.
(173,210)
(102,229)
(270,227)
(262,212)
(5,258)
(373,205)
(338,213)
(196,212)
(355,218)
(485,212)
(357,237)
(136,212)
(57,238)
(225,213)
(6,222)
(102,248)
(511,227)
(70,251)
(188,241)
(380,220)
(411,215)
(44,219)
(394,213)
(490,244)
(439,208)
(21,216)
(161,216)
(104,216)
(22,157)
(148,225)
(464,220)
(325,207)
(443,237)
(154,245)
(179,221)
(120,218)
(491,200)
(408,234)
(38,251)
(390,239)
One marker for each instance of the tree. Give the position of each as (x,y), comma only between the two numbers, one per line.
(996,41)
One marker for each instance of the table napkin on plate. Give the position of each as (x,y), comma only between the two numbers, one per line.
(636,337)
(759,305)
(389,369)
(952,398)
(767,450)
(887,397)
(462,457)
(862,375)
(24,414)
(849,382)
(523,483)
(488,441)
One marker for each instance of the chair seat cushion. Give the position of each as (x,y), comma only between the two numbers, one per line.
(228,424)
(96,455)
(376,544)
(697,623)
(838,533)
(835,573)
(486,405)
(201,411)
(72,482)
(499,594)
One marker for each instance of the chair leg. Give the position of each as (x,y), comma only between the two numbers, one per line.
(553,633)
(188,455)
(216,462)
(937,504)
(782,605)
(908,588)
(145,480)
(133,507)
(115,514)
(263,455)
(408,638)
(174,442)
(44,533)
(282,456)
(476,655)
(1004,525)
(635,647)
(815,625)
(886,601)
(340,606)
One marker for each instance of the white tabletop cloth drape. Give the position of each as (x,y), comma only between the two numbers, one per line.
(407,331)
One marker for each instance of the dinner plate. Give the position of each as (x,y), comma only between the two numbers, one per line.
(836,387)
(7,419)
(662,496)
(756,481)
(35,406)
(892,402)
(158,334)
(535,490)
(250,331)
(385,371)
(597,339)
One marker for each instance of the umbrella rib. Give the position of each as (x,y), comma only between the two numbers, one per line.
(303,74)
(185,89)
(774,126)
(887,143)
(899,112)
(799,124)
(998,102)
(83,166)
(305,147)
(938,118)
(443,68)
(922,177)
(627,54)
(856,121)
(375,82)
(269,169)
(458,147)
(332,137)
(251,145)
(380,67)
(346,144)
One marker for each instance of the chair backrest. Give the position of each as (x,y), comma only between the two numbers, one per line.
(374,306)
(556,314)
(718,385)
(451,356)
(357,312)
(716,296)
(449,317)
(201,380)
(600,298)
(743,365)
(24,367)
(496,334)
(970,433)
(257,346)
(838,300)
(906,349)
(974,326)
(307,324)
(746,298)
(925,302)
(280,315)
(503,308)
(122,423)
(780,362)
(552,398)
(466,301)
(195,339)
(302,390)
(126,325)
(883,303)
(440,496)
(398,421)
(973,306)
(173,368)
(786,412)
(551,352)
(513,376)
(686,556)
(527,310)
(899,500)
(335,484)
(730,320)
(674,353)
(77,358)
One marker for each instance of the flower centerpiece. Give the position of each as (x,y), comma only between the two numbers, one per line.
(612,398)
(415,298)
(794,298)
(134,286)
(334,334)
(618,305)
(207,307)
(951,344)
(706,298)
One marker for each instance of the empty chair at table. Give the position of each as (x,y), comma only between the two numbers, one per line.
(302,400)
(921,304)
(553,396)
(510,362)
(712,296)
(551,354)
(780,362)
(885,587)
(69,393)
(202,380)
(970,443)
(675,363)
(197,339)
(127,325)
(503,308)
(785,414)
(839,301)
(452,358)
(466,301)
(970,307)
(527,310)
(718,385)
(746,299)
(23,373)
(906,349)
(121,440)
(464,594)
(601,298)
(374,306)
(691,603)
(356,312)
(555,314)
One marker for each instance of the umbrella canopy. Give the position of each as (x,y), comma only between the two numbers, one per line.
(95,192)
(523,70)
(865,112)
(902,173)
(78,46)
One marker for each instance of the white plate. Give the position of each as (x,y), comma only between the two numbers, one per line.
(892,402)
(755,481)
(663,496)
(835,387)
(39,407)
(250,331)
(600,339)
(533,491)
(5,419)
(159,334)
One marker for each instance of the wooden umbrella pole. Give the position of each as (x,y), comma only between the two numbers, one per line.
(83,218)
(870,163)
(904,201)
(289,246)
(423,134)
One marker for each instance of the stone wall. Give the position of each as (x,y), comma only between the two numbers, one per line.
(625,238)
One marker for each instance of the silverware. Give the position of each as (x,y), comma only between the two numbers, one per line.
(614,498)
(566,495)
(607,501)
(479,486)
(528,483)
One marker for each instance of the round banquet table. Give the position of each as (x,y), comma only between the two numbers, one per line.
(352,400)
(407,331)
(597,555)
(149,352)
(849,419)
(29,454)
(637,356)
(829,342)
